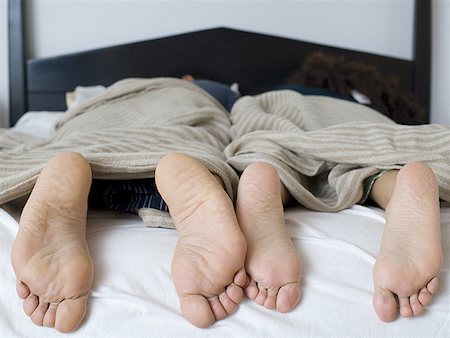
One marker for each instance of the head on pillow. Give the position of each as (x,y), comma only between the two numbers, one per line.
(341,76)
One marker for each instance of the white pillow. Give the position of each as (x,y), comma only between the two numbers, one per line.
(81,94)
(38,124)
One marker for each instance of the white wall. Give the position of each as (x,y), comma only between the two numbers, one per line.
(64,26)
(440,74)
(371,25)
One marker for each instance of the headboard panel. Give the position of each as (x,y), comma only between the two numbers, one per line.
(256,61)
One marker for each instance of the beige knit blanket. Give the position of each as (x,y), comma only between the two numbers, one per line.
(328,151)
(123,134)
(325,150)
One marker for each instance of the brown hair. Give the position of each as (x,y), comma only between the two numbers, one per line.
(341,76)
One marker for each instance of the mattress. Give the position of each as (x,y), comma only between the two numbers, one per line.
(133,295)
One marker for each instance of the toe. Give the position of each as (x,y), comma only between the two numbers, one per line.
(262,295)
(70,313)
(425,297)
(241,278)
(433,285)
(405,307)
(426,293)
(22,290)
(37,316)
(251,291)
(217,308)
(30,304)
(271,300)
(235,293)
(50,315)
(288,297)
(385,305)
(416,306)
(197,310)
(227,303)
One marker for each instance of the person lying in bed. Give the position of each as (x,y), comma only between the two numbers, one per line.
(221,251)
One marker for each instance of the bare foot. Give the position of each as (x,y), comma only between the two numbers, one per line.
(272,262)
(408,264)
(50,256)
(208,264)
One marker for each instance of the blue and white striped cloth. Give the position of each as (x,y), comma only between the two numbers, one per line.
(127,195)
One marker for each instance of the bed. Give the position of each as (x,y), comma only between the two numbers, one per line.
(132,293)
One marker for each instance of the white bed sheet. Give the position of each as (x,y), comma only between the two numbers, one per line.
(133,296)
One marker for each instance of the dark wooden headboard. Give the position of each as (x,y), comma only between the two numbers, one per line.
(256,61)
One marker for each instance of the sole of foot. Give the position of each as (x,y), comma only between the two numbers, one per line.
(407,267)
(273,264)
(208,264)
(50,256)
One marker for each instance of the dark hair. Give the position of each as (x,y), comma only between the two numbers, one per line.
(341,77)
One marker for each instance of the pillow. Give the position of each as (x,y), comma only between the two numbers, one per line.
(38,124)
(81,94)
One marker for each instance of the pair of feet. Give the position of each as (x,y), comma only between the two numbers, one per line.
(221,253)
(54,268)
